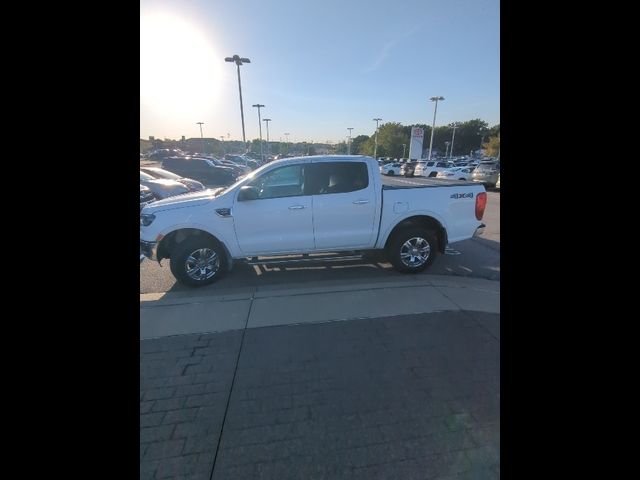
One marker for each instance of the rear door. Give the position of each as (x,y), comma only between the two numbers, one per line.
(344,204)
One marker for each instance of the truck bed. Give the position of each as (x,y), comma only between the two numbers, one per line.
(396,182)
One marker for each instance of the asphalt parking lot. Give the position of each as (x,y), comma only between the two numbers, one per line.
(477,257)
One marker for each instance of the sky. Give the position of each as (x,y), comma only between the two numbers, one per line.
(319,67)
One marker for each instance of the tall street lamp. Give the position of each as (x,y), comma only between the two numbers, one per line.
(267,120)
(375,149)
(239,61)
(453,138)
(201,137)
(433,127)
(349,141)
(258,106)
(404,145)
(446,149)
(286,134)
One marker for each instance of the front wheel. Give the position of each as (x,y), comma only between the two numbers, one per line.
(198,261)
(412,250)
(390,172)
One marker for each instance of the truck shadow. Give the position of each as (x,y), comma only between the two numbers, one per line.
(470,258)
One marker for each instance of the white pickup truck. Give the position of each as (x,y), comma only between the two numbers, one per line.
(310,206)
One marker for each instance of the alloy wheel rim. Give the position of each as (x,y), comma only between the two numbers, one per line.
(415,252)
(202,264)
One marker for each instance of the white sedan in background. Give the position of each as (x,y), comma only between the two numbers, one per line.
(456,173)
(391,169)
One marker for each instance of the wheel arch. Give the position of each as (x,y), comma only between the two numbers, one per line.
(425,221)
(175,237)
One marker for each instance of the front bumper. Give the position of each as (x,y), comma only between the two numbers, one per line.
(480,230)
(149,249)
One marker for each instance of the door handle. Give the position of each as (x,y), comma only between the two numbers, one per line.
(360,202)
(296,207)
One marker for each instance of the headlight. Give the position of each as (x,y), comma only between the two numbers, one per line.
(146,219)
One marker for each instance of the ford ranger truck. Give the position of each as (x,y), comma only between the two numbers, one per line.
(311,205)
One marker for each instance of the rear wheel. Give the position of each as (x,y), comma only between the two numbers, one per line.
(412,250)
(390,172)
(198,261)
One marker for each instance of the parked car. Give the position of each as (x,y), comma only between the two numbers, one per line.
(431,168)
(391,168)
(201,169)
(303,205)
(456,173)
(241,160)
(190,183)
(162,187)
(146,196)
(164,153)
(486,173)
(235,167)
(408,169)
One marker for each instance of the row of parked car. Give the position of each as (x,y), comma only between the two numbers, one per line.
(190,173)
(485,172)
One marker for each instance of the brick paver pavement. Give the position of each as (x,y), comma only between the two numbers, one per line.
(415,396)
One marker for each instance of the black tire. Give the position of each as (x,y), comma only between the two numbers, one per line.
(397,244)
(390,172)
(192,248)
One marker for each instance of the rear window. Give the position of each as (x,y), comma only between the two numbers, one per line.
(335,177)
(484,167)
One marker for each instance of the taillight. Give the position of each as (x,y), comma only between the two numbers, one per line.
(481,203)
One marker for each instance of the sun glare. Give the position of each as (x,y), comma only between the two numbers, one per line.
(179,75)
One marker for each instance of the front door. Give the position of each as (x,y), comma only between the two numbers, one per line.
(280,220)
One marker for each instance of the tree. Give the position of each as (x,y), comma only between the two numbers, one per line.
(341,148)
(357,144)
(391,136)
(492,147)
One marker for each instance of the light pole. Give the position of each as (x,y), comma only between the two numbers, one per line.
(403,149)
(287,135)
(201,137)
(239,61)
(267,120)
(446,148)
(433,127)
(375,149)
(258,106)
(349,141)
(453,137)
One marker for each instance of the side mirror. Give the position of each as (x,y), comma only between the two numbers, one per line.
(247,193)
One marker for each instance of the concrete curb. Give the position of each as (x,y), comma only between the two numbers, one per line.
(180,313)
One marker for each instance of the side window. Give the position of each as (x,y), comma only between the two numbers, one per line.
(336,177)
(430,164)
(441,164)
(281,182)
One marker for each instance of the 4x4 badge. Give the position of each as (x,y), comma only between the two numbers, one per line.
(462,195)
